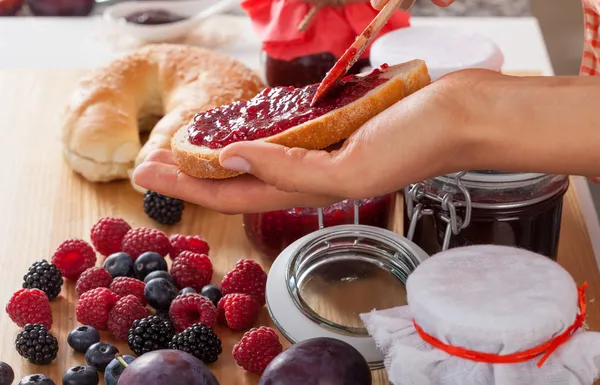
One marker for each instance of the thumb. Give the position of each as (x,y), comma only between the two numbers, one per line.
(288,169)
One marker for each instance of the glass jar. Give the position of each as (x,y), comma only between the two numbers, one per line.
(487,207)
(271,232)
(302,71)
(321,284)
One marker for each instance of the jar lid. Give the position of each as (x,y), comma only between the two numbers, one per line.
(444,49)
(497,189)
(319,285)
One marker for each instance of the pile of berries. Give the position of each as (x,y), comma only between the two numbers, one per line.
(140,300)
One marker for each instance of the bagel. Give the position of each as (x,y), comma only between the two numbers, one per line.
(391,85)
(154,91)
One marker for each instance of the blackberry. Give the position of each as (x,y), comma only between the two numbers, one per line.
(200,341)
(149,334)
(44,276)
(163,209)
(37,344)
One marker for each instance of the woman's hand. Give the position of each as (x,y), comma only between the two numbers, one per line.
(379,4)
(422,136)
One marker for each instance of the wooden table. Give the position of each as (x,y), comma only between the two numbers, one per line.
(43,203)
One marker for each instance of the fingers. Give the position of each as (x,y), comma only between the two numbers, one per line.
(290,169)
(244,194)
(379,4)
(443,3)
(161,156)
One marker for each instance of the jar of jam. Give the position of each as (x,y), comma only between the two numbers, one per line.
(271,232)
(487,207)
(302,40)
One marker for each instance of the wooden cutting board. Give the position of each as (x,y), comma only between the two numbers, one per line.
(43,203)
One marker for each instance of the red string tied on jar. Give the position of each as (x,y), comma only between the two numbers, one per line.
(546,349)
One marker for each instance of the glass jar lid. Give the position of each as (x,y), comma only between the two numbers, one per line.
(444,49)
(319,285)
(497,189)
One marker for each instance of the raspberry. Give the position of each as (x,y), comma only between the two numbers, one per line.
(73,257)
(138,241)
(248,278)
(127,310)
(30,306)
(257,348)
(107,235)
(194,243)
(238,311)
(94,307)
(123,286)
(191,308)
(192,270)
(92,278)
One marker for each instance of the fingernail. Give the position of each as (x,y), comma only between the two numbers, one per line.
(236,164)
(443,3)
(376,3)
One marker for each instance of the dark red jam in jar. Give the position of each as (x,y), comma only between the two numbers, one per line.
(271,232)
(304,70)
(153,17)
(511,209)
(275,110)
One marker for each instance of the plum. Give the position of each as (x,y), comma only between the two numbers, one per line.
(167,367)
(61,7)
(318,361)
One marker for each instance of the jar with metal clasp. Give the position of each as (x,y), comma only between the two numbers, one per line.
(487,207)
(321,284)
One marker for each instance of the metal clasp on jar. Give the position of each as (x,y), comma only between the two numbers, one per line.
(418,202)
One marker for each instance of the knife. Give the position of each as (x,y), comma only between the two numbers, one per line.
(352,54)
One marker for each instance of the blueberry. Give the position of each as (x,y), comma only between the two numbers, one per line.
(119,265)
(100,354)
(115,369)
(81,375)
(160,293)
(7,375)
(147,263)
(81,338)
(186,290)
(212,292)
(37,379)
(159,274)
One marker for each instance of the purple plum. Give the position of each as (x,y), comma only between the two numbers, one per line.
(162,367)
(318,361)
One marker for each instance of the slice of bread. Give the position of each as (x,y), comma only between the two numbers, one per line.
(316,134)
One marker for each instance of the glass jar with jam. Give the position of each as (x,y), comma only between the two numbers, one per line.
(302,40)
(487,207)
(271,232)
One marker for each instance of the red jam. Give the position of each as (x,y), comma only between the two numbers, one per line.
(270,233)
(273,111)
(153,17)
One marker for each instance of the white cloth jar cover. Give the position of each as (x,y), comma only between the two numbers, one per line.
(489,299)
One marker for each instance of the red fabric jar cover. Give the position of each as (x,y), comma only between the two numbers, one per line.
(333,28)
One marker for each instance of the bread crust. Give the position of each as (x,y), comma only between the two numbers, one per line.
(320,133)
(168,82)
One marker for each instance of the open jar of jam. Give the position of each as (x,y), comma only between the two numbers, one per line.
(487,207)
(271,232)
(302,40)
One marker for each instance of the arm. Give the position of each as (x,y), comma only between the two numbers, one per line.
(535,124)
